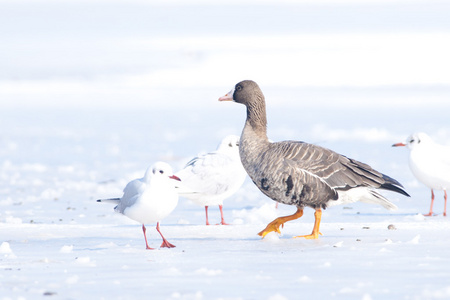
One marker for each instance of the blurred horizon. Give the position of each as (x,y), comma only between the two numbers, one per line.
(102,54)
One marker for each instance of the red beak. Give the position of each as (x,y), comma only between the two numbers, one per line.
(399,145)
(174,177)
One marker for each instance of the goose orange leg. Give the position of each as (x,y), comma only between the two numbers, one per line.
(275,224)
(315,233)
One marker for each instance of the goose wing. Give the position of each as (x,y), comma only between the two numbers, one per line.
(338,171)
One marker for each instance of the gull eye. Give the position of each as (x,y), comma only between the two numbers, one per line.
(161,171)
(411,141)
(418,141)
(230,145)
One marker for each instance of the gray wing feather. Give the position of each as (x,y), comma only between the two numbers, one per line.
(337,170)
(278,175)
(311,175)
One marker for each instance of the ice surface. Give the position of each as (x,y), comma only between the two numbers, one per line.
(93,92)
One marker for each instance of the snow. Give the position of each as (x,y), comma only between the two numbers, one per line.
(92,92)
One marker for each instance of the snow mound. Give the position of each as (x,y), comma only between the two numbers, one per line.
(66,249)
(5,248)
(208,272)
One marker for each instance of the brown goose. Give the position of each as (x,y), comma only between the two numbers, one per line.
(302,174)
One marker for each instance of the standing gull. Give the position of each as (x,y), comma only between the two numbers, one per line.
(430,164)
(301,174)
(149,199)
(210,178)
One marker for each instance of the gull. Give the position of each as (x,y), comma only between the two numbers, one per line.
(430,164)
(210,178)
(149,199)
(301,174)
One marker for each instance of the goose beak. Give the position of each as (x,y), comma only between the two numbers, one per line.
(227,97)
(175,177)
(399,145)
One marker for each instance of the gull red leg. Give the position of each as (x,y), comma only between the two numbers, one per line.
(221,216)
(165,243)
(206,212)
(431,207)
(445,203)
(145,237)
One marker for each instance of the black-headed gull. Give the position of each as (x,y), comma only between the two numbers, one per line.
(149,199)
(430,164)
(298,173)
(210,178)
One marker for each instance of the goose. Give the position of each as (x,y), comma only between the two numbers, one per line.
(430,164)
(301,174)
(210,178)
(149,199)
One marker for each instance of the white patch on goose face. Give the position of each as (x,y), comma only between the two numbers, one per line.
(231,93)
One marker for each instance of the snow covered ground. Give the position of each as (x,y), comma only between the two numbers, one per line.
(92,92)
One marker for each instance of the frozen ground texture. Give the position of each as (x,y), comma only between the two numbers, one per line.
(92,92)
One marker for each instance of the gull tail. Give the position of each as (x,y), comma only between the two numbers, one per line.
(110,200)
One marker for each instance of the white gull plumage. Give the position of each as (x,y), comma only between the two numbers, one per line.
(298,173)
(430,164)
(149,199)
(210,178)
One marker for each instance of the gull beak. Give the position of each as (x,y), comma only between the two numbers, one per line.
(227,97)
(399,145)
(175,177)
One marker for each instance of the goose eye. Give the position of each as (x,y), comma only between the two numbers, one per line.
(411,141)
(161,171)
(238,87)
(418,141)
(230,145)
